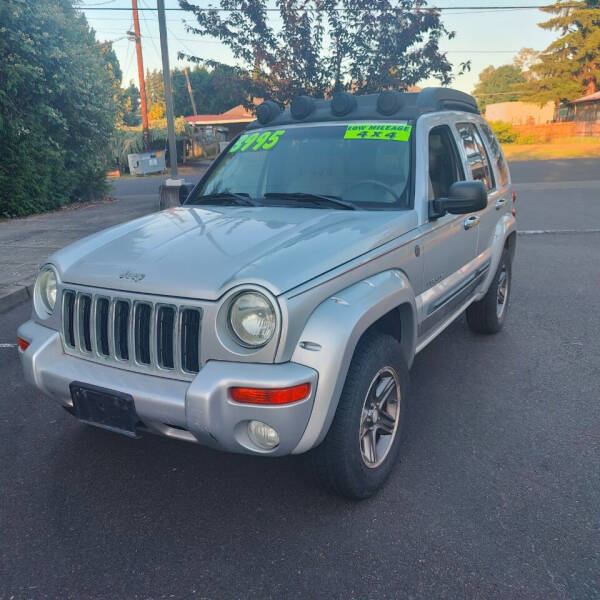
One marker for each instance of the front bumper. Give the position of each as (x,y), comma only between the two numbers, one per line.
(198,411)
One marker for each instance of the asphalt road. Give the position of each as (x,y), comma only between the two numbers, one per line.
(497,494)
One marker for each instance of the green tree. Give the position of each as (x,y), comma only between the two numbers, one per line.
(131,105)
(320,46)
(155,94)
(570,66)
(57,108)
(216,89)
(116,77)
(498,85)
(182,105)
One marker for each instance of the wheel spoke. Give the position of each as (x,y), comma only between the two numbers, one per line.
(386,423)
(372,437)
(384,390)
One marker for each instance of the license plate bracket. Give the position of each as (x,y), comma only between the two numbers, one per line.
(104,408)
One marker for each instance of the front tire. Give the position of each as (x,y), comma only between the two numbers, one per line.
(487,316)
(362,445)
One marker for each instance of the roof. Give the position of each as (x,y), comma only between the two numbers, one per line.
(589,98)
(389,105)
(237,114)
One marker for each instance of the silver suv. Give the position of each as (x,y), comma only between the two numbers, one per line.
(278,311)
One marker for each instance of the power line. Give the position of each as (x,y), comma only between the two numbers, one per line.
(217,42)
(147,26)
(422,9)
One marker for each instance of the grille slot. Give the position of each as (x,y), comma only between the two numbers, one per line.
(121,329)
(69,318)
(165,337)
(102,316)
(140,334)
(190,339)
(84,322)
(142,323)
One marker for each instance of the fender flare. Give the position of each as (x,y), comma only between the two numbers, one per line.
(505,227)
(332,332)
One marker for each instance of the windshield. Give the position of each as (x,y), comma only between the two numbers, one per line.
(362,165)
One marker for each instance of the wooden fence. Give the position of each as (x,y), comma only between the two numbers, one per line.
(551,131)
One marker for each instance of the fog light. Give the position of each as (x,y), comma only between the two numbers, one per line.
(262,435)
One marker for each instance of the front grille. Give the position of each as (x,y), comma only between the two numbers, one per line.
(140,333)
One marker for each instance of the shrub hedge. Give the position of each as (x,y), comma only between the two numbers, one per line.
(57,109)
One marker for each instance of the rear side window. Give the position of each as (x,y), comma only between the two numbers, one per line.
(496,152)
(476,154)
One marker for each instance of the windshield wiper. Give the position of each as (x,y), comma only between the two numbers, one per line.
(314,198)
(231,197)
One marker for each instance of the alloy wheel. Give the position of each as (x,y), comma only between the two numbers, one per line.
(380,417)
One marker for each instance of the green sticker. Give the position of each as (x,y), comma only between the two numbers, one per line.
(379,131)
(257,141)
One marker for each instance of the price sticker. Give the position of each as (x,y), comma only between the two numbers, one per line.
(257,141)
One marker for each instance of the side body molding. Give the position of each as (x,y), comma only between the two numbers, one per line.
(332,332)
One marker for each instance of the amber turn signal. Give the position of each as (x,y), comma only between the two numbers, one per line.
(270,396)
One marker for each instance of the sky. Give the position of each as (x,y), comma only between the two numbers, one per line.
(485,36)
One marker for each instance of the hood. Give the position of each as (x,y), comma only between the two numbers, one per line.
(200,253)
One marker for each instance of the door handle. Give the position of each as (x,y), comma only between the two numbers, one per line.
(471,221)
(500,203)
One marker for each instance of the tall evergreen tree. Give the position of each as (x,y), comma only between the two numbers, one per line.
(155,94)
(131,105)
(570,66)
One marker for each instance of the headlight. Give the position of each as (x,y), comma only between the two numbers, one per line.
(45,292)
(252,319)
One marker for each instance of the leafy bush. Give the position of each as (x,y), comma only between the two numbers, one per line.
(57,108)
(508,134)
(505,132)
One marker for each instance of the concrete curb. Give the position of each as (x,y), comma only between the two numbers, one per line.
(14,297)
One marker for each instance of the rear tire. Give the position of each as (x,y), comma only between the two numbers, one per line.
(487,316)
(362,445)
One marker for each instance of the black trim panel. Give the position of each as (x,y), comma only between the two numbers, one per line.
(448,303)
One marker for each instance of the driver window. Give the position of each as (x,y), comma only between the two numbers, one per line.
(444,166)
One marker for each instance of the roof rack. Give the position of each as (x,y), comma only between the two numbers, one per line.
(436,99)
(385,106)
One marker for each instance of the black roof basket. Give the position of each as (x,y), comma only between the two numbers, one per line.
(434,99)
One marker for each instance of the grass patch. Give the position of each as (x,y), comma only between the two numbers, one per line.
(565,148)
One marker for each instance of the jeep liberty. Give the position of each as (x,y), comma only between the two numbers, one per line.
(279,309)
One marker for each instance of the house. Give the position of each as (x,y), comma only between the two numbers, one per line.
(234,120)
(212,132)
(586,108)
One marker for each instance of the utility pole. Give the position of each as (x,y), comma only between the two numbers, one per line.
(189,88)
(164,50)
(140,62)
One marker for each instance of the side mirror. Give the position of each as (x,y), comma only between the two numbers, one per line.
(463,197)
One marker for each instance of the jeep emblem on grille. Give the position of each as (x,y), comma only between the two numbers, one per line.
(133,276)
